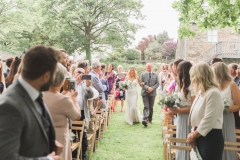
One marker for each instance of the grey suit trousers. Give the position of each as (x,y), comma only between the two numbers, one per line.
(148,102)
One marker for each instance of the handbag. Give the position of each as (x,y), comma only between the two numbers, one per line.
(195,155)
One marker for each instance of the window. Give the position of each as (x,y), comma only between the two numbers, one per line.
(212,35)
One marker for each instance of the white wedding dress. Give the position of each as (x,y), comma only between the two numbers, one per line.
(132,112)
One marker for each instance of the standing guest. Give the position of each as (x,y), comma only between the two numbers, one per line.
(63,57)
(206,114)
(96,68)
(72,69)
(2,79)
(84,93)
(186,96)
(18,72)
(104,81)
(85,66)
(232,68)
(61,108)
(119,93)
(215,60)
(8,63)
(162,77)
(149,82)
(13,70)
(26,116)
(111,78)
(230,92)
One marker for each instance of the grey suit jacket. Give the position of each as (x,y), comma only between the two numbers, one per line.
(22,132)
(153,82)
(97,84)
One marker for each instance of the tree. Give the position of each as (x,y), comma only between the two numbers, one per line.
(207,14)
(153,52)
(143,44)
(169,49)
(132,54)
(100,21)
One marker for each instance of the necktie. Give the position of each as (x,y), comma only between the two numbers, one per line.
(149,75)
(40,101)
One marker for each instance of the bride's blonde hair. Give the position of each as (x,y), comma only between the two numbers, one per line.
(135,73)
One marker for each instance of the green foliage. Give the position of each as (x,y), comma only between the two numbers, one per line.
(84,25)
(207,14)
(132,54)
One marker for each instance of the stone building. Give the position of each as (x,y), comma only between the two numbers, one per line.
(223,43)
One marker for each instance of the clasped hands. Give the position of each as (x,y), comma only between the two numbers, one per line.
(149,89)
(191,140)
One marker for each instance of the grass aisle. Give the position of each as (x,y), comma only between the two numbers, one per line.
(124,142)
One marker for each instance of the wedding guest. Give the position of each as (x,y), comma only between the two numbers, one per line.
(104,81)
(72,69)
(8,65)
(85,66)
(13,71)
(63,57)
(185,98)
(230,92)
(206,114)
(18,72)
(111,78)
(162,77)
(232,68)
(2,79)
(215,60)
(26,128)
(119,93)
(61,108)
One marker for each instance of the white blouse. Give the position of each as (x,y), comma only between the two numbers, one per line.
(207,111)
(186,101)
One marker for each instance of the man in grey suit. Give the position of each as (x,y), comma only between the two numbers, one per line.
(149,82)
(97,84)
(26,128)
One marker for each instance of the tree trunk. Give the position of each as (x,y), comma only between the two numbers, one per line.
(88,52)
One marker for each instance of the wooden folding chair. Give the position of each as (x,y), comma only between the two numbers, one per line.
(78,126)
(172,146)
(168,131)
(232,146)
(98,127)
(91,137)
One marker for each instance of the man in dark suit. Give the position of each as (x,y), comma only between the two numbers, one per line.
(26,128)
(149,82)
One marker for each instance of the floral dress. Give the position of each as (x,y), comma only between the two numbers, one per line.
(119,93)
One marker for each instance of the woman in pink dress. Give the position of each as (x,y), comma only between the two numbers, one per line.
(61,108)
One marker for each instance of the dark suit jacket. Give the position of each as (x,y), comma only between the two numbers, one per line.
(153,82)
(22,131)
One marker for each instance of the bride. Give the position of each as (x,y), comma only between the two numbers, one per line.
(132,112)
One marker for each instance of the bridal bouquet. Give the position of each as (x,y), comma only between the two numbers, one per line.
(226,107)
(125,84)
(169,101)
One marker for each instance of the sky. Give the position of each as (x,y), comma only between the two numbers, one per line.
(160,16)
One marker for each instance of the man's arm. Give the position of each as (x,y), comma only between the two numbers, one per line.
(97,84)
(156,85)
(144,86)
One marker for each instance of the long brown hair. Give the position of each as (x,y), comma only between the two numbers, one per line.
(184,76)
(1,71)
(13,70)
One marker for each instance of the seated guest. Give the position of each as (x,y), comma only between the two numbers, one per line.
(13,70)
(61,108)
(206,114)
(8,63)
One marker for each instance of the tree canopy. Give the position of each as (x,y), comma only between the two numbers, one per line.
(84,25)
(207,14)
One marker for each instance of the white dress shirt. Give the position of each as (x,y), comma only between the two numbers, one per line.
(207,111)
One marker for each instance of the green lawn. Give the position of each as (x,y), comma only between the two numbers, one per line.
(124,142)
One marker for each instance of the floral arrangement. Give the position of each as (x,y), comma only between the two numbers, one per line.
(169,101)
(226,107)
(124,85)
